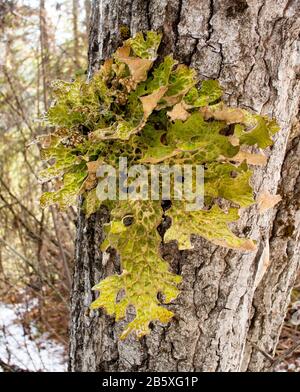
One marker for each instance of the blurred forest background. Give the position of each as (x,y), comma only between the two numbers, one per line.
(42,41)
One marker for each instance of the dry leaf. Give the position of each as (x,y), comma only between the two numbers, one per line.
(235,141)
(251,159)
(106,67)
(223,113)
(58,184)
(170,101)
(137,67)
(266,201)
(123,51)
(150,101)
(179,112)
(91,181)
(248,245)
(93,166)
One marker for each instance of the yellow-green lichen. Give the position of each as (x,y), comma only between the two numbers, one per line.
(151,113)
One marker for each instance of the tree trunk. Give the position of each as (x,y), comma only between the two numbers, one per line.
(45,51)
(226,308)
(75,6)
(87,16)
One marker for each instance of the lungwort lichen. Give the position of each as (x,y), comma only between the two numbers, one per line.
(151,112)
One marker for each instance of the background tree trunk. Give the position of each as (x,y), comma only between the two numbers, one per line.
(75,9)
(225,304)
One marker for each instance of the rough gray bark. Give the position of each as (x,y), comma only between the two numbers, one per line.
(251,47)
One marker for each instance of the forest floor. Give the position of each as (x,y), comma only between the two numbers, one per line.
(290,334)
(23,346)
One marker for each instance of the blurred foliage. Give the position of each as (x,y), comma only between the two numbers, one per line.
(40,41)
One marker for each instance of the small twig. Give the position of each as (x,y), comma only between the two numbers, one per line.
(266,355)
(61,250)
(11,368)
(280,358)
(288,352)
(28,262)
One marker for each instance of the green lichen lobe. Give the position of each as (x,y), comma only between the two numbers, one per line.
(151,113)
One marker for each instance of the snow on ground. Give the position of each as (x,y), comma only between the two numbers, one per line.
(28,350)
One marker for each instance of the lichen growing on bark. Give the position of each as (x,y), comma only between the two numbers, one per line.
(151,113)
